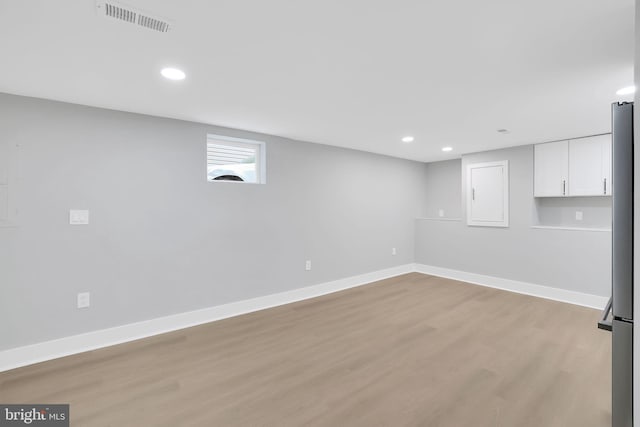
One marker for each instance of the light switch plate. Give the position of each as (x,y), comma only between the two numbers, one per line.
(84,300)
(578,215)
(441,213)
(78,217)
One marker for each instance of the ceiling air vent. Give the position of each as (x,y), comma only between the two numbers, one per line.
(114,10)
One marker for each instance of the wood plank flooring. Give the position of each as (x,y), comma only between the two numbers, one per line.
(414,350)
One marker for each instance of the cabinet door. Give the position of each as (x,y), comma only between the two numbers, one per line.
(590,166)
(488,194)
(551,169)
(585,167)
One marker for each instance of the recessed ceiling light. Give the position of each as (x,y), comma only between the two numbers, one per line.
(626,90)
(407,139)
(173,74)
(447,148)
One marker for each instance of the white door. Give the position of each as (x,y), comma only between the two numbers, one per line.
(551,169)
(487,194)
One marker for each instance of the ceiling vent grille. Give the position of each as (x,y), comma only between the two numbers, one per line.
(114,10)
(153,24)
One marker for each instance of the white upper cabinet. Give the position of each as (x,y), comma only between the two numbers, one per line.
(590,166)
(488,194)
(551,169)
(579,167)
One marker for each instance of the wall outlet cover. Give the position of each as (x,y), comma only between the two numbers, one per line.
(578,215)
(440,213)
(307,265)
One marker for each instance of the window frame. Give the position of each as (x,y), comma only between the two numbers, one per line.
(261,156)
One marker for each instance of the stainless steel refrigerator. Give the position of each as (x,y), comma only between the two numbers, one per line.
(618,315)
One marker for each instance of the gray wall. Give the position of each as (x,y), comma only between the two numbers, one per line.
(443,188)
(573,260)
(162,240)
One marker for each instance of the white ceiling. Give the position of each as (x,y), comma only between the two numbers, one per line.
(352,73)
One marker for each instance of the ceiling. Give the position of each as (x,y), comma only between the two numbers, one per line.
(352,73)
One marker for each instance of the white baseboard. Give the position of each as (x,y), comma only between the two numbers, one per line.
(40,352)
(35,353)
(563,295)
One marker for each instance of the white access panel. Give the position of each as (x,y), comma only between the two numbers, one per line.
(551,169)
(590,166)
(488,194)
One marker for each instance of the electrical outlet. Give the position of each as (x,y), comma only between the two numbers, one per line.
(578,215)
(307,265)
(393,251)
(84,300)
(440,213)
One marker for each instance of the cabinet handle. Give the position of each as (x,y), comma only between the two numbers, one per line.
(605,186)
(564,187)
(473,194)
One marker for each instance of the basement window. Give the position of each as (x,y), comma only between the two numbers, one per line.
(235,160)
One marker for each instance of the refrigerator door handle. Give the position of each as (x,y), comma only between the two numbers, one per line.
(604,323)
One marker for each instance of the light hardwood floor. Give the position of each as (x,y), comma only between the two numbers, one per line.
(414,350)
